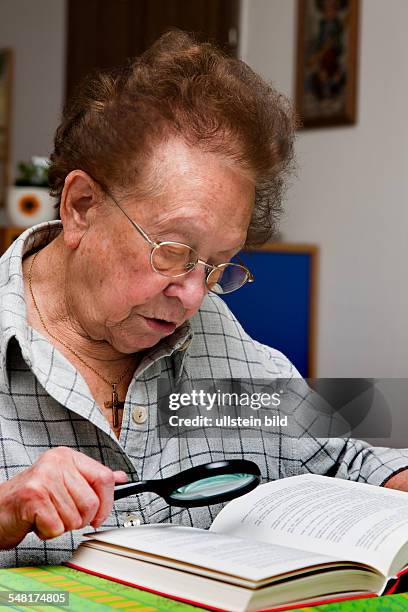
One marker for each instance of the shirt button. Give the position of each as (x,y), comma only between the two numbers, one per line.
(132,520)
(139,415)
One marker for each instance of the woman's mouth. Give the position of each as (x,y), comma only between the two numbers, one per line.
(160,325)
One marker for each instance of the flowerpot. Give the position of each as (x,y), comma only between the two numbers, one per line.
(27,206)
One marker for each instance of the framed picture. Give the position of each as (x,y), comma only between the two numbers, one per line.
(326,72)
(6,75)
(280,308)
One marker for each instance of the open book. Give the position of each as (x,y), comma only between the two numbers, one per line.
(295,541)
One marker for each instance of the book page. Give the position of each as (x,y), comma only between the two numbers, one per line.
(231,555)
(331,516)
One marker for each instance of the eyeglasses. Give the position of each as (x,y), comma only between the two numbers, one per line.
(175,259)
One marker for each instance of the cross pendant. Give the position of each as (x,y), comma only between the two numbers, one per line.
(115,405)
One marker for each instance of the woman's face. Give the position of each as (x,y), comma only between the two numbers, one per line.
(204,203)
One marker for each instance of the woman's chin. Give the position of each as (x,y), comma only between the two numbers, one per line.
(139,334)
(128,345)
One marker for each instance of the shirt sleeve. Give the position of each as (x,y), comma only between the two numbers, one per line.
(351,459)
(309,447)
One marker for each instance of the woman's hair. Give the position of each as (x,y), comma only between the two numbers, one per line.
(181,88)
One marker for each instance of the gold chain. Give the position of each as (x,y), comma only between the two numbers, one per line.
(71,350)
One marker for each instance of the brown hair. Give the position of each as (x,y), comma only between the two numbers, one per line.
(185,88)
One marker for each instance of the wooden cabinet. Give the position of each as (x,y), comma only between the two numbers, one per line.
(8,235)
(102,34)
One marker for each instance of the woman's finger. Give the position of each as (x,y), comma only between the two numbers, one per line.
(86,500)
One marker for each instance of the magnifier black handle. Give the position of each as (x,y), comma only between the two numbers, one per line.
(132,488)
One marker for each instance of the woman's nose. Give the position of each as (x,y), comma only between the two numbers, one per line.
(190,289)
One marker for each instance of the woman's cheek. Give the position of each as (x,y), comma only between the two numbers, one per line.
(144,291)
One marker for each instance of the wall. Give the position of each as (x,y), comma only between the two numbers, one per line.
(35,29)
(351,194)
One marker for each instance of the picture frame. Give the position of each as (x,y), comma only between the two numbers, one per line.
(280,308)
(327,58)
(6,82)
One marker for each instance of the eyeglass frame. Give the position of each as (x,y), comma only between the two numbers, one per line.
(154,245)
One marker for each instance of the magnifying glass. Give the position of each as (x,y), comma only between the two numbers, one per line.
(201,485)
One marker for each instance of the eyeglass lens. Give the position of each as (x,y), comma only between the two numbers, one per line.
(226,279)
(174,259)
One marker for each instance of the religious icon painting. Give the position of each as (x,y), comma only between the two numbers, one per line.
(326,72)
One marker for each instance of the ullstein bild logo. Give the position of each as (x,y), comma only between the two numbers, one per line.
(228,421)
(299,407)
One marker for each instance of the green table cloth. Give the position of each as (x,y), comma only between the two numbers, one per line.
(91,593)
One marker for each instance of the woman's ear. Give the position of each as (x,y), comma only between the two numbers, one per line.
(79,195)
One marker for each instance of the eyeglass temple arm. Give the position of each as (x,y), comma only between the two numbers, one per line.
(135,225)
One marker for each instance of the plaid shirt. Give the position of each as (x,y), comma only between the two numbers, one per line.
(46,403)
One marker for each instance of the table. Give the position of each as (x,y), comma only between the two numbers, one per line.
(95,594)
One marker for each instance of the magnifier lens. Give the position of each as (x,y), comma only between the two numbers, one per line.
(212,486)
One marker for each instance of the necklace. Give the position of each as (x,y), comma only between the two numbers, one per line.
(113,404)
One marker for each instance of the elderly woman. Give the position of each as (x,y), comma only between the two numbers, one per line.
(163,173)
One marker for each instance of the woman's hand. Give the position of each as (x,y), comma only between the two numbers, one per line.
(63,490)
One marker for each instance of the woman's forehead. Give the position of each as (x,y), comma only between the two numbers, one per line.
(193,228)
(178,173)
(201,214)
(191,173)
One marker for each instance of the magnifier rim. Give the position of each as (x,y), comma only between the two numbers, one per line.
(206,470)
